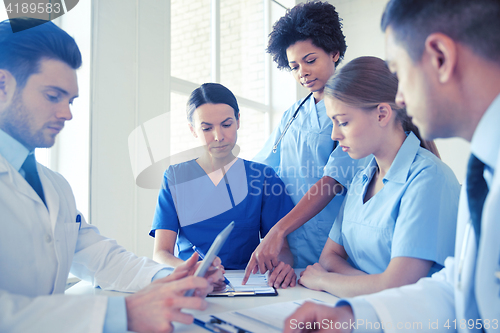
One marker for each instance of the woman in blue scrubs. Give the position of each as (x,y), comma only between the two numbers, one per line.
(399,217)
(309,42)
(201,197)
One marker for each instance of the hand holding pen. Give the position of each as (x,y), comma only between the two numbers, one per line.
(202,256)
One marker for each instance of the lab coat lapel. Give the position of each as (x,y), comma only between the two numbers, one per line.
(51,196)
(488,261)
(19,183)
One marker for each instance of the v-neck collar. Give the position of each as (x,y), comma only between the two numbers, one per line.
(217,176)
(314,108)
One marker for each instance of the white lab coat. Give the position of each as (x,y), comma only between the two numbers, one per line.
(38,247)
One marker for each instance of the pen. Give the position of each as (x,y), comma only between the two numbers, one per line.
(202,256)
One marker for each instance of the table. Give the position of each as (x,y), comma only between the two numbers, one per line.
(221,304)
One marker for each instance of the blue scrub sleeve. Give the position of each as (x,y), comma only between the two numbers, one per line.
(276,201)
(165,214)
(426,224)
(365,317)
(115,320)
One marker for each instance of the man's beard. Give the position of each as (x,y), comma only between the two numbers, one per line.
(17,121)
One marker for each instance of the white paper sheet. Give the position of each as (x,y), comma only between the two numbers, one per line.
(266,318)
(256,282)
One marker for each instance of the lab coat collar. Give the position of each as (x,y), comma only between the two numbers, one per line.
(400,167)
(485,143)
(12,150)
(13,154)
(18,182)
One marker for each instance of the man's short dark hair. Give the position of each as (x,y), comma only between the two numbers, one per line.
(475,23)
(21,52)
(315,20)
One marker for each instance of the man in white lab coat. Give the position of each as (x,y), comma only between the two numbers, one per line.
(446,54)
(42,235)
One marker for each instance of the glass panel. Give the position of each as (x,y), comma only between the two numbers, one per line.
(190,22)
(284,3)
(252,134)
(242,47)
(181,138)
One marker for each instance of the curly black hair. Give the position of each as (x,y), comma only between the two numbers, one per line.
(314,20)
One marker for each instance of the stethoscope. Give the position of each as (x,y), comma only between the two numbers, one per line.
(275,147)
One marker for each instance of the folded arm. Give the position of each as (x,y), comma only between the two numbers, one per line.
(341,279)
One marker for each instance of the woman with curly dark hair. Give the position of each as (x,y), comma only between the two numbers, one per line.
(309,42)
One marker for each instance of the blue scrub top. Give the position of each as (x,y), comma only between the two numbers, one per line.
(189,203)
(413,215)
(306,154)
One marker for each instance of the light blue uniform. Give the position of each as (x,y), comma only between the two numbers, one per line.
(305,154)
(413,215)
(467,290)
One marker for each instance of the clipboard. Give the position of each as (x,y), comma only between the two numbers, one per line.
(256,286)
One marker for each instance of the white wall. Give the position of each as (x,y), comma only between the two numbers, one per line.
(130,73)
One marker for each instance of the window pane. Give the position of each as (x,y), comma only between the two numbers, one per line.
(252,134)
(190,23)
(242,47)
(181,138)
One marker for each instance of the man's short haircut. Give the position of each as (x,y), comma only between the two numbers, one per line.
(21,52)
(315,20)
(474,23)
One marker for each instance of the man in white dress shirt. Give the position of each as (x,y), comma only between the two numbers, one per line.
(43,236)
(446,54)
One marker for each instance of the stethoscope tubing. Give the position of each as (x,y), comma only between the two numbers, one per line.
(275,147)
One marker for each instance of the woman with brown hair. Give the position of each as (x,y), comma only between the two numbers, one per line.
(398,220)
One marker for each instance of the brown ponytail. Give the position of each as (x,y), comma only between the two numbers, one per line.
(364,83)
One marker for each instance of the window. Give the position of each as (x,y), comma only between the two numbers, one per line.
(220,41)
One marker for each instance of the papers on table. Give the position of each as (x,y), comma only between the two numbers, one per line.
(72,280)
(267,318)
(256,282)
(255,286)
